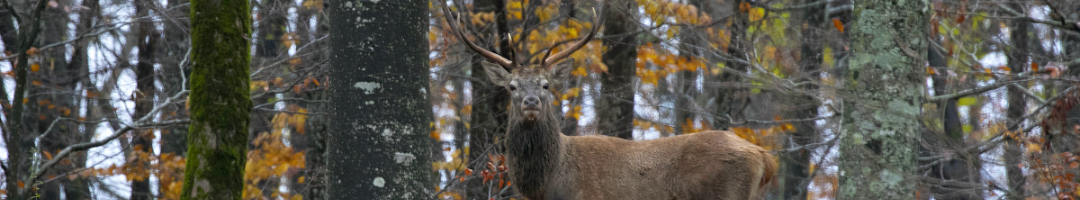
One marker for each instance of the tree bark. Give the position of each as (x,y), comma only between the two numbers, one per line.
(488,118)
(797,164)
(174,48)
(730,101)
(220,103)
(961,171)
(615,106)
(144,100)
(878,145)
(380,110)
(1019,37)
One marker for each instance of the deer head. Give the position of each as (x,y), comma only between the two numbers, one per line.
(532,85)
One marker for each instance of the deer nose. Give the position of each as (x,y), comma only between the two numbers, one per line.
(531,102)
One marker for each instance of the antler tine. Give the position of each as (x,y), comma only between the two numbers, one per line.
(577,46)
(506,63)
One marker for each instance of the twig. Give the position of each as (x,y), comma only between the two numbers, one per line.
(973,91)
(141,122)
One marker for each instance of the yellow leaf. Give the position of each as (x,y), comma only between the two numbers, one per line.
(756,14)
(300,180)
(35,67)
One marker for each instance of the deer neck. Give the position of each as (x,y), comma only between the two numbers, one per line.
(533,151)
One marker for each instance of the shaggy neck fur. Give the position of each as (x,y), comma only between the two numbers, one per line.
(532,150)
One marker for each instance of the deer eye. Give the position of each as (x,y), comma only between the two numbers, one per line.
(512,88)
(545,86)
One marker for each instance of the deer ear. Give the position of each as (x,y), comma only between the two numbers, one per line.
(496,73)
(561,72)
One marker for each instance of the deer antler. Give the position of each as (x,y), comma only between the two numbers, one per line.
(563,54)
(506,63)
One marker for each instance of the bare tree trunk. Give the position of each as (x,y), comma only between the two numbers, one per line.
(79,188)
(174,48)
(731,101)
(380,111)
(141,140)
(1014,155)
(796,165)
(488,104)
(615,108)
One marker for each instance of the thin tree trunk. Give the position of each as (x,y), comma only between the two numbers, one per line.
(1014,155)
(797,164)
(878,145)
(957,169)
(220,103)
(174,48)
(615,107)
(380,110)
(730,101)
(487,120)
(141,140)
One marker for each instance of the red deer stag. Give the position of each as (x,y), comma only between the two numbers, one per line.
(545,164)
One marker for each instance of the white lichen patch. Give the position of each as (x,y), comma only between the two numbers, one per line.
(889,177)
(379,182)
(367,87)
(387,134)
(404,158)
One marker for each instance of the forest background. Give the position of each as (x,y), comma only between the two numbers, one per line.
(100,91)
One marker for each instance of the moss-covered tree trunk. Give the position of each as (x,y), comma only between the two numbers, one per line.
(883,93)
(380,112)
(615,115)
(217,137)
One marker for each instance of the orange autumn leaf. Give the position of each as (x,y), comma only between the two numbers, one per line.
(744,7)
(32,51)
(35,67)
(1005,68)
(839,25)
(47,154)
(1034,66)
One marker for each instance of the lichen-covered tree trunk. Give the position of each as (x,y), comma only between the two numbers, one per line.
(883,94)
(217,137)
(616,105)
(379,102)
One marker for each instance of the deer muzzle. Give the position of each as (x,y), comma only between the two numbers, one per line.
(530,106)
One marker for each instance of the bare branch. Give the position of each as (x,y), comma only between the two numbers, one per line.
(973,91)
(141,122)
